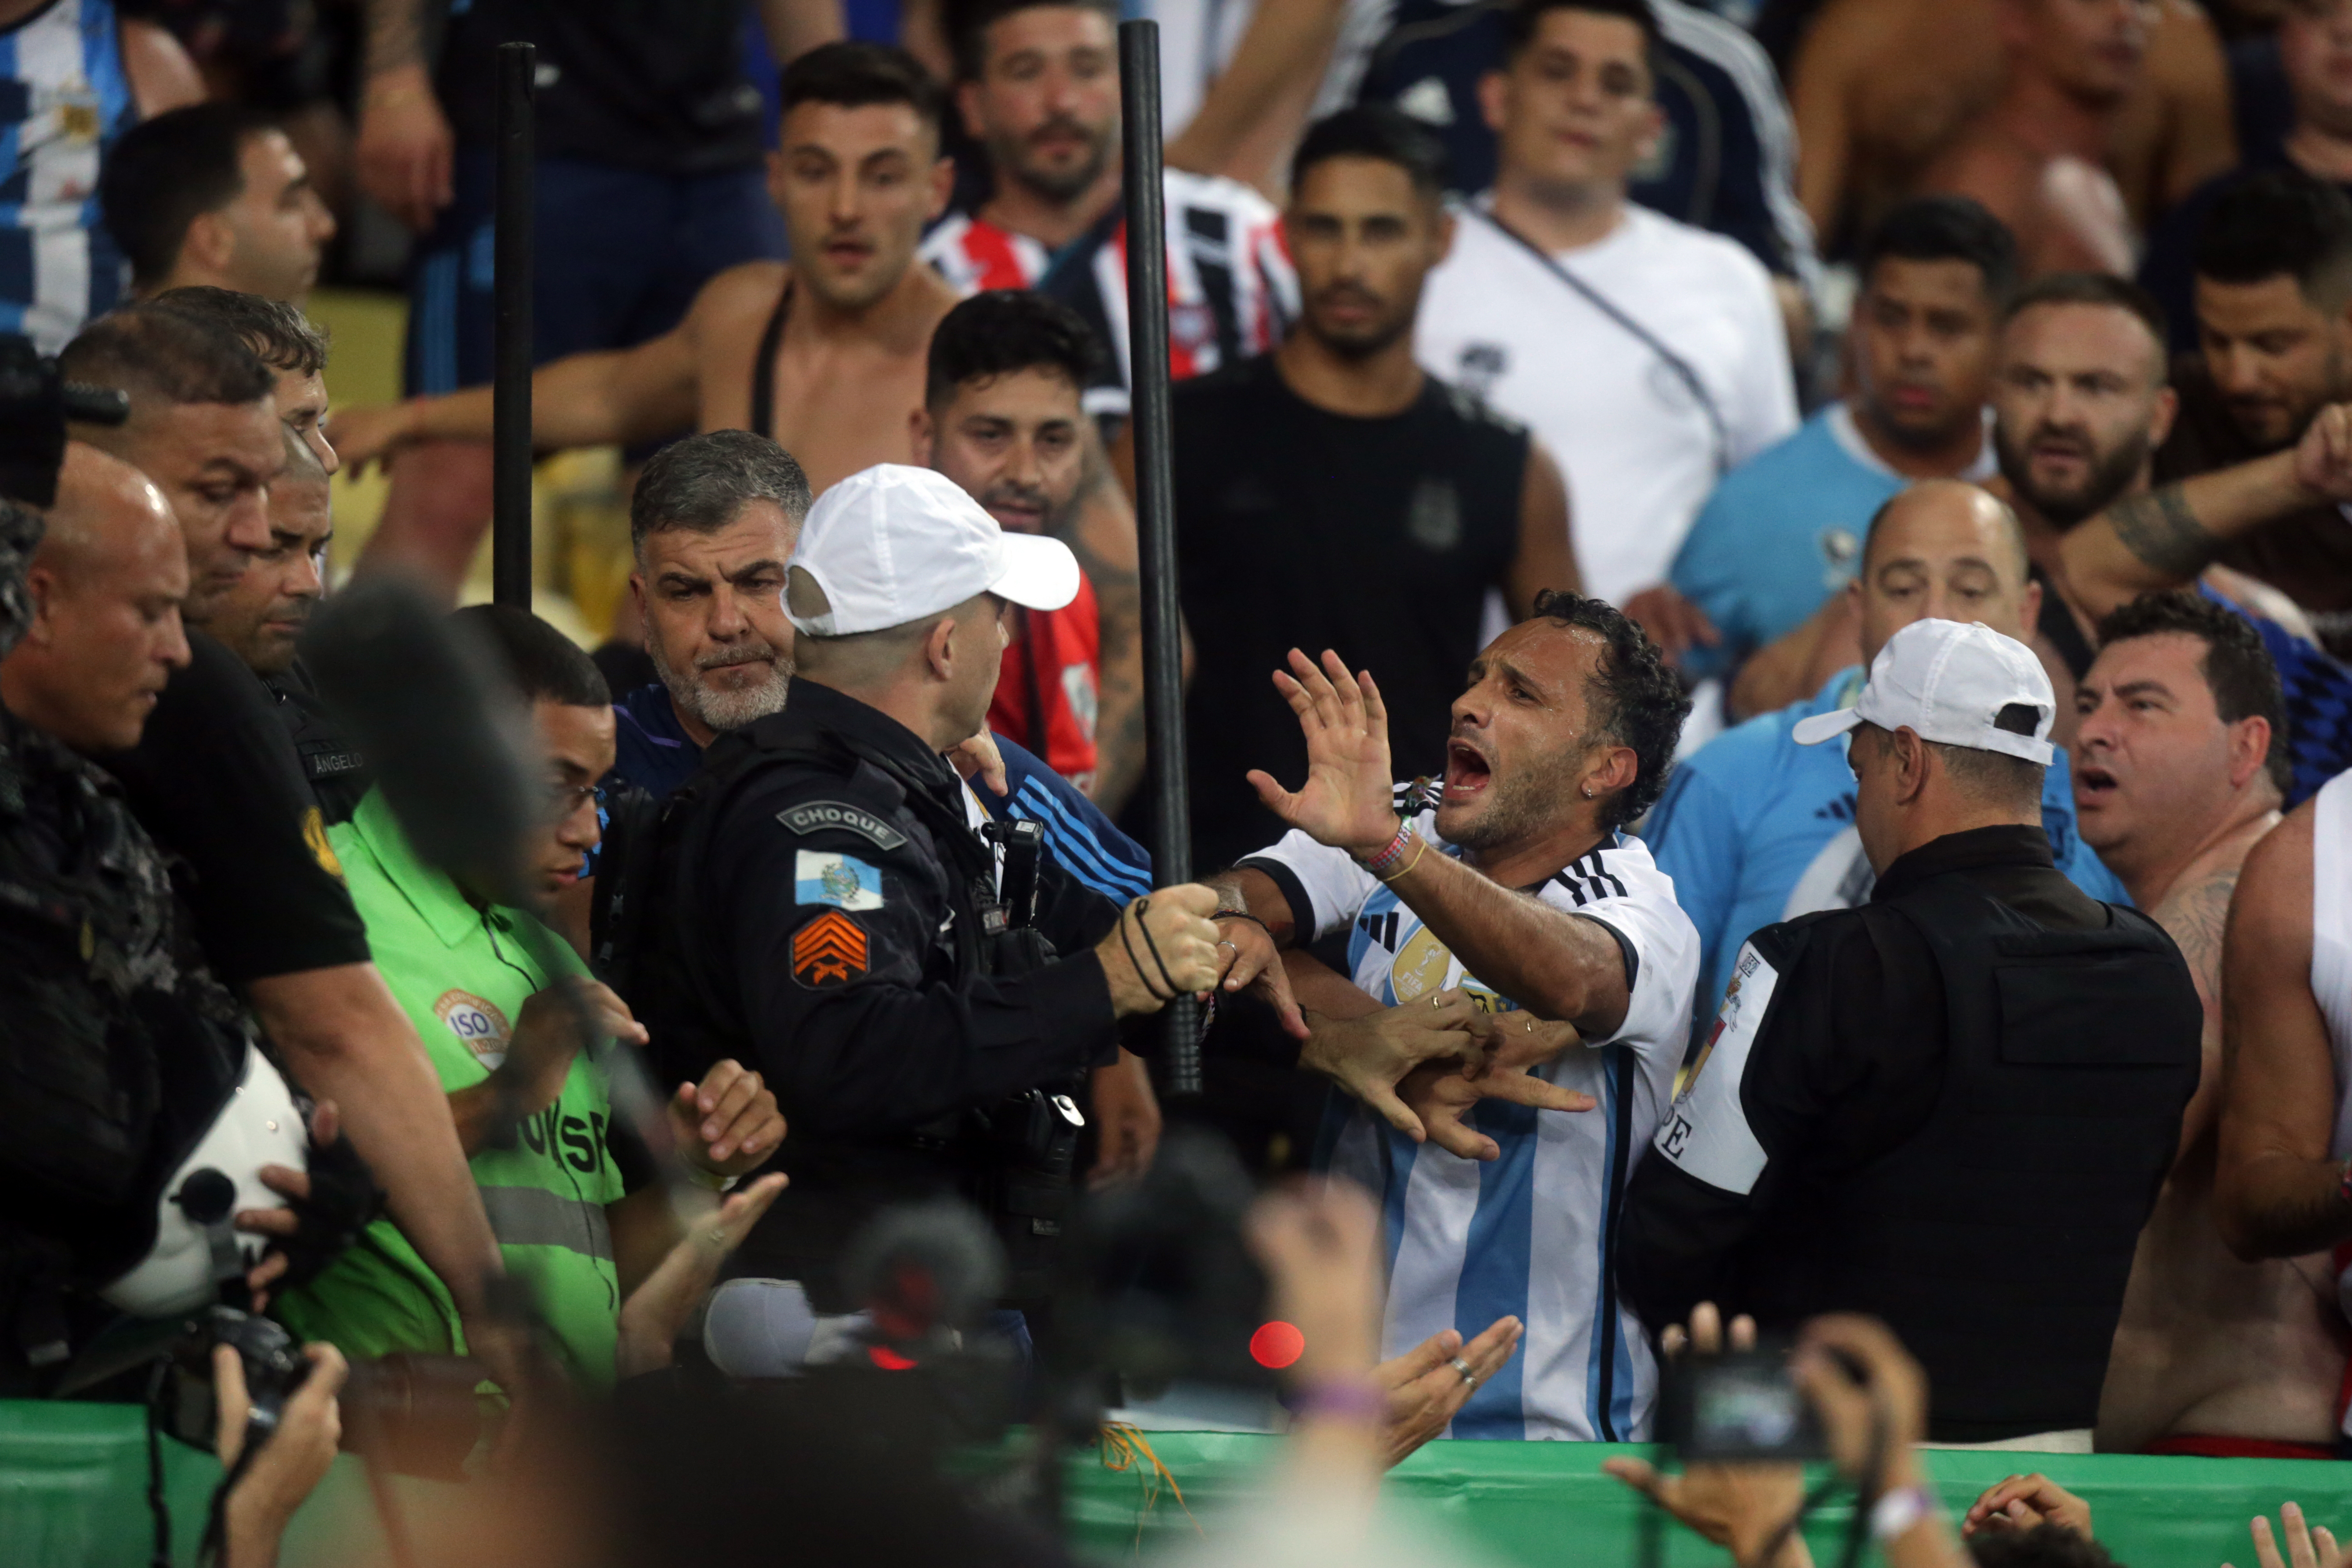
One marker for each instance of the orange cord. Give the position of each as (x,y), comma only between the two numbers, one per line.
(1123,1449)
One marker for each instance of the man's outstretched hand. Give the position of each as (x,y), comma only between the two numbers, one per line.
(1441,1094)
(1367,1057)
(1348,799)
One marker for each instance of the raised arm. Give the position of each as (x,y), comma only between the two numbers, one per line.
(2163,538)
(1554,964)
(602,398)
(2276,1192)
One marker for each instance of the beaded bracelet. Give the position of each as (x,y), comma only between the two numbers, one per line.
(1387,863)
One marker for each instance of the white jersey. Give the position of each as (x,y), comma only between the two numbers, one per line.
(1661,366)
(2331,976)
(1527,1235)
(65,98)
(2331,938)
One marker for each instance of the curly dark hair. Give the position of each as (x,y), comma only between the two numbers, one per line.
(2043,1546)
(2238,669)
(1636,699)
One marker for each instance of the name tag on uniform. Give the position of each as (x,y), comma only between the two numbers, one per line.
(841,880)
(819,814)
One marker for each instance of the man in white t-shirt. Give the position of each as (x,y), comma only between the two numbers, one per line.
(1512,956)
(1648,355)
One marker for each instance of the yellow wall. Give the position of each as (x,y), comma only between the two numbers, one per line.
(580,527)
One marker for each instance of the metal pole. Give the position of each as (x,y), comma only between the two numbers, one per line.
(511,388)
(1155,505)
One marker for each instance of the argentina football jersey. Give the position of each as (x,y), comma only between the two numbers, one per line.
(67,98)
(1527,1234)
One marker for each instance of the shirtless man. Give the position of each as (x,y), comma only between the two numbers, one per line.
(2181,762)
(1883,89)
(2279,1183)
(826,354)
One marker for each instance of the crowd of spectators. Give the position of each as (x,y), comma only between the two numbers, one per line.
(1766,601)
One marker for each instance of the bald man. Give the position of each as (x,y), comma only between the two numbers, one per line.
(106,587)
(1755,828)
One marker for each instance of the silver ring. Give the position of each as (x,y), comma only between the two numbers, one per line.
(1436,1001)
(1458,1365)
(1228,944)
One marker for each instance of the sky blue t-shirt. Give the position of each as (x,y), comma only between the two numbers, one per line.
(1755,828)
(1782,533)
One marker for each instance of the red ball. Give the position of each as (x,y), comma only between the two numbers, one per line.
(1276,1344)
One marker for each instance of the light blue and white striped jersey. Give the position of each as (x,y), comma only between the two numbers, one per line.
(64,99)
(1529,1234)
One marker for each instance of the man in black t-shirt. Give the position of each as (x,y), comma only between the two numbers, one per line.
(214,780)
(260,619)
(649,184)
(1333,495)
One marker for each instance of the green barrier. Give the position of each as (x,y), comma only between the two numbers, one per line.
(73,1494)
(1546,1504)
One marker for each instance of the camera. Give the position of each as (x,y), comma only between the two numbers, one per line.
(416,1414)
(1740,1407)
(35,403)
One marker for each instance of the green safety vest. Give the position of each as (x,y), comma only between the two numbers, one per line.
(462,973)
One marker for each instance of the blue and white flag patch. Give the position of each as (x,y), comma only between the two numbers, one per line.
(844,881)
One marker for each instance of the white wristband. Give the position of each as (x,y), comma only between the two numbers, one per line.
(1893,1514)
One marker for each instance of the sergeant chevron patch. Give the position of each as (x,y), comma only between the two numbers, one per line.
(829,950)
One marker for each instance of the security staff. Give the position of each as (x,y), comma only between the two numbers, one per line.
(485,983)
(1951,1107)
(920,1000)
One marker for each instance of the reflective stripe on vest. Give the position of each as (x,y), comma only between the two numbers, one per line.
(534,1216)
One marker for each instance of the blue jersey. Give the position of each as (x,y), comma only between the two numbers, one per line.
(2318,692)
(653,751)
(1530,1233)
(63,99)
(1755,829)
(1782,533)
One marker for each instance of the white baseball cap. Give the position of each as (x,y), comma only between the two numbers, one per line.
(1956,684)
(894,543)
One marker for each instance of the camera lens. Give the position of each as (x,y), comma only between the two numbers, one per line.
(206,1196)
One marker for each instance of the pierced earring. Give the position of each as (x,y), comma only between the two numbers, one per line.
(1588,792)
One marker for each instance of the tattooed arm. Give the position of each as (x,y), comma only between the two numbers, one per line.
(1101,533)
(2162,539)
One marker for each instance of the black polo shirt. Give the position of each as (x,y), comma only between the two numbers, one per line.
(1848,1067)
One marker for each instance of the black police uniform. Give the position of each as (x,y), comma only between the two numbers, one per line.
(338,775)
(824,913)
(1950,1108)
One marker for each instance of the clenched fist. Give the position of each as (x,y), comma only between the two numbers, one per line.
(1164,945)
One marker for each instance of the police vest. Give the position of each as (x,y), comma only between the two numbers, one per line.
(652,943)
(117,1050)
(1996,1241)
(338,775)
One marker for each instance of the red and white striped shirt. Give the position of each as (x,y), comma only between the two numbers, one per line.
(1232,291)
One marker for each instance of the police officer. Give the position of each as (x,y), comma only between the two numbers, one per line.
(922,999)
(129,1066)
(1951,1107)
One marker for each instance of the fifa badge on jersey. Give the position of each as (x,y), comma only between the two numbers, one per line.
(831,950)
(479,1026)
(841,880)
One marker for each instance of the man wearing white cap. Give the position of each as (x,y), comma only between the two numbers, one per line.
(834,915)
(1952,1106)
